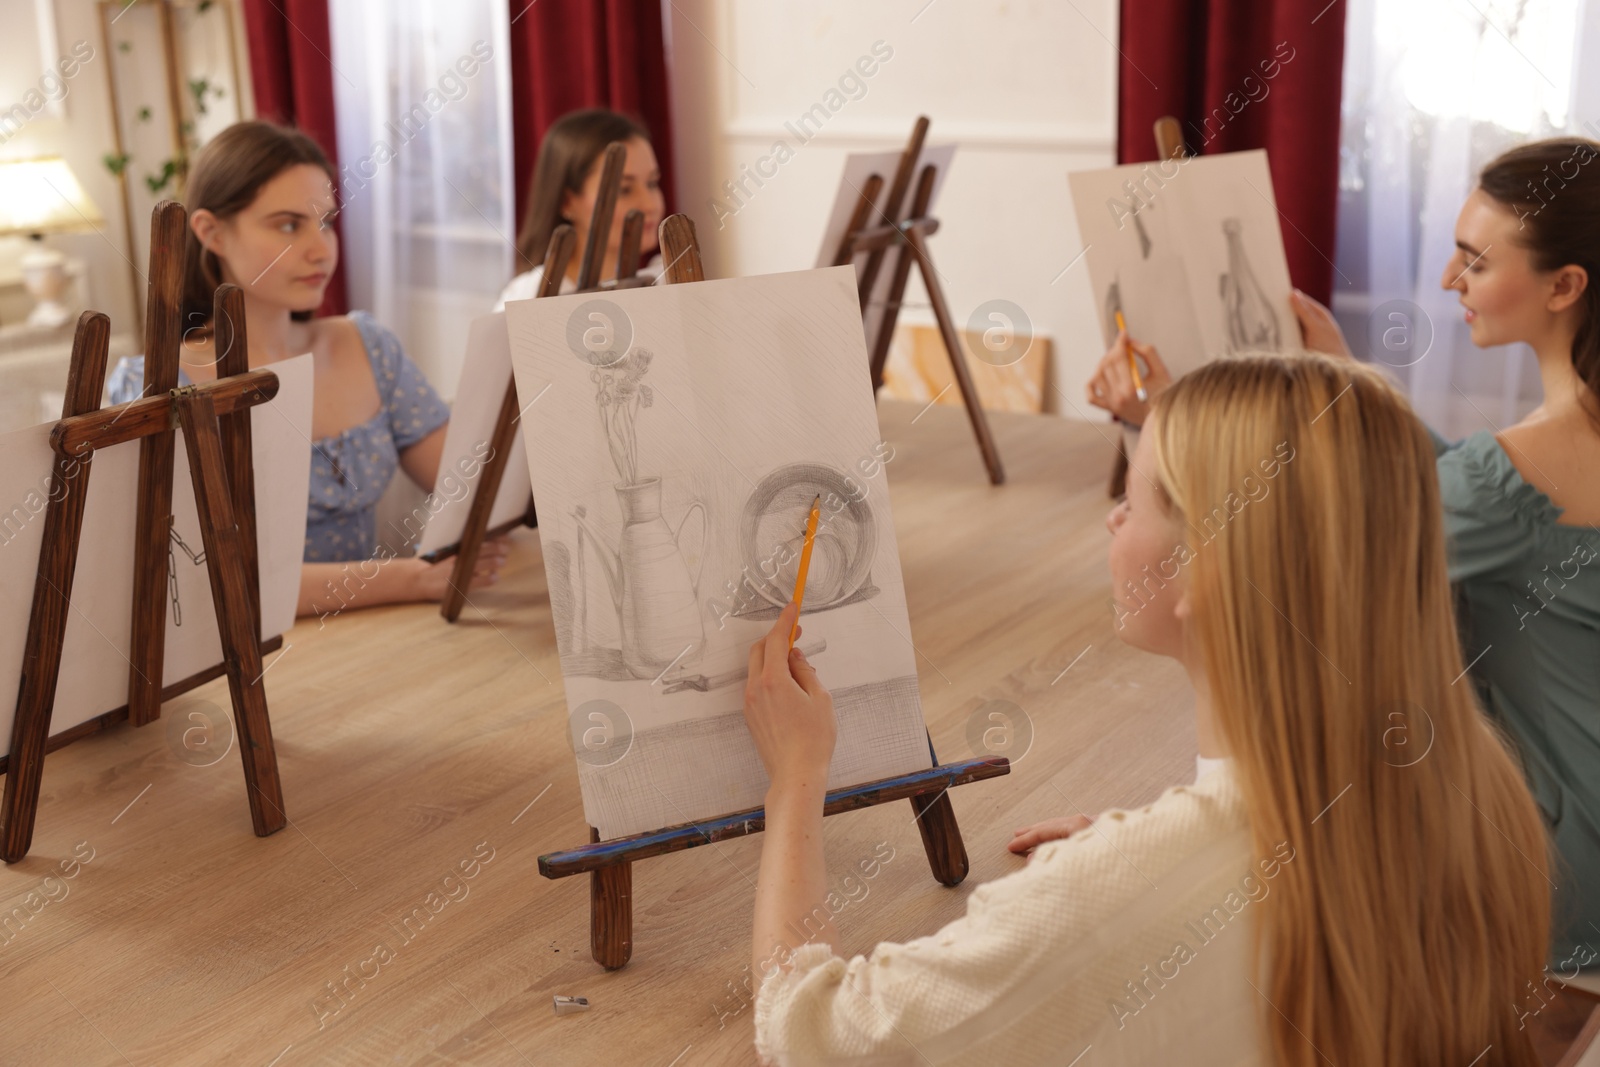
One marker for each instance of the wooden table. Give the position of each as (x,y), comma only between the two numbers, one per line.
(409,747)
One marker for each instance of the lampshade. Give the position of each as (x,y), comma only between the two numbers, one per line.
(43,196)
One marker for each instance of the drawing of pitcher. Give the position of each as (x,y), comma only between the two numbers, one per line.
(652,590)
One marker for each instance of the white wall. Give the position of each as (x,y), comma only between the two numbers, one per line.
(81,133)
(1027,89)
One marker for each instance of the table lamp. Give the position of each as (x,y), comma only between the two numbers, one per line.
(40,196)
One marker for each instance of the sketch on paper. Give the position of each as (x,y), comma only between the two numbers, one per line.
(674,474)
(1252,324)
(1190,252)
(653,593)
(99,622)
(468,440)
(772,531)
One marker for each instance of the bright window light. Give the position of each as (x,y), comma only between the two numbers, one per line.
(1501,61)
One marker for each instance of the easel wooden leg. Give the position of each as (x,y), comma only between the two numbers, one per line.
(483,497)
(958,361)
(941,837)
(238,450)
(52,593)
(235,606)
(41,659)
(152,531)
(891,314)
(610,912)
(879,353)
(890,211)
(153,522)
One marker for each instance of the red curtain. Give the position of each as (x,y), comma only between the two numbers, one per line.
(1243,74)
(291,70)
(571,54)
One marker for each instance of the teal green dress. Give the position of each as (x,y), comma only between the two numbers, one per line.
(1528,598)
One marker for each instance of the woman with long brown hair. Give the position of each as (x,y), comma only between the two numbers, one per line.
(1320,895)
(563,189)
(260,199)
(1521,505)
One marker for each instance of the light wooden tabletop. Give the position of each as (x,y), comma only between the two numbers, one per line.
(413,751)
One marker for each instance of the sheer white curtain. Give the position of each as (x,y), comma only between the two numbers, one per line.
(422,90)
(1434,89)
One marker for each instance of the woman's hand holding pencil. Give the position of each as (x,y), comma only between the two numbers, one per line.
(789,713)
(812,517)
(1117,381)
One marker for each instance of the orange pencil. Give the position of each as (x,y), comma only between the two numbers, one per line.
(805,563)
(1133,364)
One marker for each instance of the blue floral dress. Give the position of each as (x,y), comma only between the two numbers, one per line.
(350,470)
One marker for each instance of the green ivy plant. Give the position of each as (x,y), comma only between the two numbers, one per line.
(200,91)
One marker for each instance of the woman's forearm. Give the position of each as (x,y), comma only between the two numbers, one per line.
(792,888)
(330,588)
(421,460)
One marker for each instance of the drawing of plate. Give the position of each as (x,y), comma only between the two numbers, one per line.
(772,532)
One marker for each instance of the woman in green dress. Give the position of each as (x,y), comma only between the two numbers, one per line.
(1521,506)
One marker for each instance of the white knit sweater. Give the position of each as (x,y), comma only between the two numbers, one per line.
(1127,943)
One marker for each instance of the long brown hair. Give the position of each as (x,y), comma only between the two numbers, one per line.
(1417,910)
(224,178)
(566,155)
(1554,188)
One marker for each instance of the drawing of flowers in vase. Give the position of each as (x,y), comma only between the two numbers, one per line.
(652,592)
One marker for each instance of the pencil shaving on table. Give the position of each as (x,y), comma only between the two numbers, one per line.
(570,1005)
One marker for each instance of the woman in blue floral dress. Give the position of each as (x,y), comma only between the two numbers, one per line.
(261,201)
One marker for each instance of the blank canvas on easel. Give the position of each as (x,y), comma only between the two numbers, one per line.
(485,377)
(94,678)
(1191,252)
(673,477)
(858,168)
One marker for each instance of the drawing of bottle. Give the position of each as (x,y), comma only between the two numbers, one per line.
(1251,321)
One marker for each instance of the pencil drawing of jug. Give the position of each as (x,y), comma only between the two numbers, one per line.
(655,596)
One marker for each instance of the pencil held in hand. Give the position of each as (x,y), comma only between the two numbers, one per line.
(1133,363)
(805,564)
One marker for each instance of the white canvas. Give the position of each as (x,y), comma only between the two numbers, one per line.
(95,664)
(485,377)
(1159,246)
(858,167)
(754,397)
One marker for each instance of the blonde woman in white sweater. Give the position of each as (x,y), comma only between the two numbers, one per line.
(1315,897)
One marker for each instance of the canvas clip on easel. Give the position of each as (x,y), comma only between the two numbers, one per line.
(609,864)
(557,257)
(906,241)
(215,418)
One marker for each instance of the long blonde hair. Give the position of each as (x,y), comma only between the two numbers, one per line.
(1415,918)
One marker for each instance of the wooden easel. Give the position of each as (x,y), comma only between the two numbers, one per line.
(1169,145)
(906,239)
(609,864)
(215,418)
(557,257)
